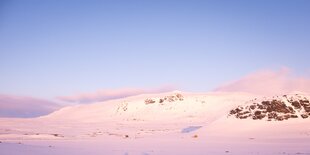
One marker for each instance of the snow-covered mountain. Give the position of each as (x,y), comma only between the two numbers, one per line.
(183,106)
(140,124)
(155,107)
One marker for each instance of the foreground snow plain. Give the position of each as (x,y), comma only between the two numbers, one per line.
(167,123)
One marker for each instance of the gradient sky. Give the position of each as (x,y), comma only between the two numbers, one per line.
(53,48)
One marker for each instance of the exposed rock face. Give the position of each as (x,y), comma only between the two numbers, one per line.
(277,108)
(149,101)
(170,98)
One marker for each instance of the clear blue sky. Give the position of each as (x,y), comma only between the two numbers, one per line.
(52,48)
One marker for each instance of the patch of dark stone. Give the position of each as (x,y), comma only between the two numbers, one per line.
(274,110)
(149,101)
(304,116)
(171,98)
(301,104)
(57,135)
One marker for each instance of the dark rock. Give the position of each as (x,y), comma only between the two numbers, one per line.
(161,100)
(258,115)
(235,111)
(257,112)
(279,118)
(274,109)
(294,116)
(232,112)
(252,107)
(260,107)
(286,117)
(149,101)
(272,115)
(296,104)
(304,116)
(180,97)
(279,106)
(243,117)
(244,113)
(269,109)
(238,110)
(266,103)
(172,98)
(291,109)
(195,136)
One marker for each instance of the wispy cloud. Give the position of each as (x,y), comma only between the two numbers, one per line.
(269,82)
(103,95)
(23,106)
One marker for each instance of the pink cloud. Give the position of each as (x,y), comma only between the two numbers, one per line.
(268,82)
(103,95)
(22,106)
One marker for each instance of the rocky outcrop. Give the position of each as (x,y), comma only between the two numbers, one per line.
(170,98)
(275,109)
(149,101)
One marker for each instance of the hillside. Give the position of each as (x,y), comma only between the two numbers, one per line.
(176,119)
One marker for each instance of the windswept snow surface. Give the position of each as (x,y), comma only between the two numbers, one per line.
(168,123)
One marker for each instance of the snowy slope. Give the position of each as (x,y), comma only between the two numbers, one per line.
(168,123)
(189,105)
